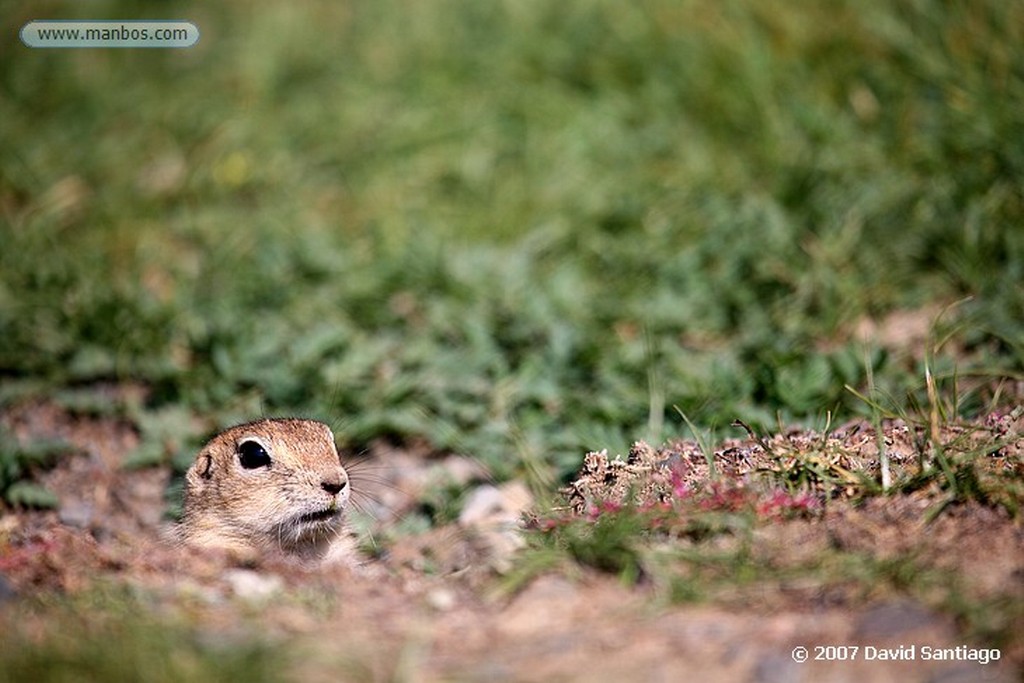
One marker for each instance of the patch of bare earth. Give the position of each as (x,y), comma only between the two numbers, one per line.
(428,608)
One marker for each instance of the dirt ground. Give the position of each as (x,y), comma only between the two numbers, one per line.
(431,607)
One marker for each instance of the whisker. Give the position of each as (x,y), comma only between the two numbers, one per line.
(367,465)
(380,494)
(359,497)
(369,475)
(362,509)
(373,539)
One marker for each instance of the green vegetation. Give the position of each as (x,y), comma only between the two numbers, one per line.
(518,230)
(17,462)
(124,642)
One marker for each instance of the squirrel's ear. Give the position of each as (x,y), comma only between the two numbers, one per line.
(206,463)
(201,469)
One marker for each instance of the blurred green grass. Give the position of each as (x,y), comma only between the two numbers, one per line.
(113,635)
(519,230)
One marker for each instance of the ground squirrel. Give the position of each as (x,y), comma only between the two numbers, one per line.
(269,486)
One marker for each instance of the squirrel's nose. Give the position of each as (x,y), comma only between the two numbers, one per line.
(334,485)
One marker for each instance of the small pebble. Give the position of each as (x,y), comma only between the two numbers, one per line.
(7,591)
(441,599)
(77,514)
(894,619)
(253,586)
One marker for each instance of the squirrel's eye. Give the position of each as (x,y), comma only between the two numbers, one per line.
(252,455)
